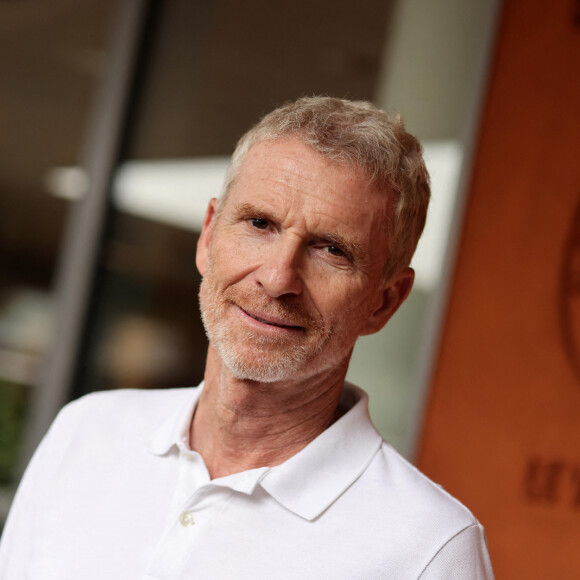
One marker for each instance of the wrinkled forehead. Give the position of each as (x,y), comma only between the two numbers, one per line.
(275,159)
(289,163)
(291,183)
(241,159)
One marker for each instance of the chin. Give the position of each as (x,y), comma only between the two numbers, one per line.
(262,367)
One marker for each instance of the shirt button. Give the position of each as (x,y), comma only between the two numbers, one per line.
(186,519)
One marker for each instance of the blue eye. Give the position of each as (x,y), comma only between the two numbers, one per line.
(259,223)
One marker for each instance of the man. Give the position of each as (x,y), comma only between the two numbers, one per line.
(271,468)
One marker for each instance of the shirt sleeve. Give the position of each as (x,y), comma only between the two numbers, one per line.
(463,557)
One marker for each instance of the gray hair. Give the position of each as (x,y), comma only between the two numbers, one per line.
(360,134)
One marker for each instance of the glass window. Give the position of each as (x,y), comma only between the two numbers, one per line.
(51,61)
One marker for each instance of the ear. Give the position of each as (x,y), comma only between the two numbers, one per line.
(203,244)
(393,295)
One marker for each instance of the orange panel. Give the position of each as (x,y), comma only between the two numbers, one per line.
(502,429)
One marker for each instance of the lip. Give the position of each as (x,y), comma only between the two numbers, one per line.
(268,321)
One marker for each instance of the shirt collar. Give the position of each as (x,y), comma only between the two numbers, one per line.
(314,478)
(175,429)
(310,481)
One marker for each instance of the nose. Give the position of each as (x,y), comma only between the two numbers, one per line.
(279,273)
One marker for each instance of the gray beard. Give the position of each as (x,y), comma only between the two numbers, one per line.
(263,365)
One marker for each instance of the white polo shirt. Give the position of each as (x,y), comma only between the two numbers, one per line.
(115,493)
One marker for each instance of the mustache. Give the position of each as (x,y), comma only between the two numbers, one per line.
(293,312)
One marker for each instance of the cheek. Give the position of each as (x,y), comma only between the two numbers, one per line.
(337,291)
(336,304)
(227,265)
(352,311)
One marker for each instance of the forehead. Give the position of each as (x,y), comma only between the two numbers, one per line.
(295,180)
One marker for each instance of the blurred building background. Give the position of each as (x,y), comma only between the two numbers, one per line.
(117,118)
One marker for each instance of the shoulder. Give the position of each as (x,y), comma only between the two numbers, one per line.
(419,494)
(419,518)
(130,401)
(417,500)
(111,411)
(389,484)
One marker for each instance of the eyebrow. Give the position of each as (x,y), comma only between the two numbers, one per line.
(247,209)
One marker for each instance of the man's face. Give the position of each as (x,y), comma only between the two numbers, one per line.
(293,265)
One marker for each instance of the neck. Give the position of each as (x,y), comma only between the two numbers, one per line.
(240,425)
